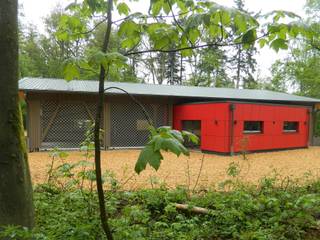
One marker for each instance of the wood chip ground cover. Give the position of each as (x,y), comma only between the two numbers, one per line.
(293,164)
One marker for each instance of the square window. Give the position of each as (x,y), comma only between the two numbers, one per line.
(253,127)
(290,126)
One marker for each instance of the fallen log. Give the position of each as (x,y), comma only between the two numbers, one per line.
(186,207)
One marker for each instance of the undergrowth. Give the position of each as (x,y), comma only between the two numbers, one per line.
(67,208)
(269,213)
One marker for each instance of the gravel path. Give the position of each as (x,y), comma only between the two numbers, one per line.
(174,171)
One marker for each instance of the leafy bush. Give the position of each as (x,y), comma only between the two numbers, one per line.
(67,208)
(267,213)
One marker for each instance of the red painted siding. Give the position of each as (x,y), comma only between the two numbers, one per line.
(216,119)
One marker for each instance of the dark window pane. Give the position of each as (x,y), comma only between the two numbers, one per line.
(290,126)
(252,127)
(193,126)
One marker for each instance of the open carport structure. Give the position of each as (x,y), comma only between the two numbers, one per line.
(59,113)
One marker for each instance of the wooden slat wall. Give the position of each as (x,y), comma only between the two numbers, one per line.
(107,127)
(170,114)
(34,111)
(33,126)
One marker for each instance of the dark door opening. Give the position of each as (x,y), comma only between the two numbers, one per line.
(193,126)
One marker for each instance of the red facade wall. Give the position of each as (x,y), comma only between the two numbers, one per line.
(216,125)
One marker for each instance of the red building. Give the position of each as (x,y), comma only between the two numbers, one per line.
(228,127)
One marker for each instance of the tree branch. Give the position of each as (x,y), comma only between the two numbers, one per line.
(212,44)
(95,26)
(144,111)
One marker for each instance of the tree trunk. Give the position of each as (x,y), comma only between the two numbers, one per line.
(97,156)
(16,206)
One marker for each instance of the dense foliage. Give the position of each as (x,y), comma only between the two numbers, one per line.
(245,213)
(299,70)
(76,33)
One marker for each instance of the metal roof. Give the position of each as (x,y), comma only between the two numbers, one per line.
(89,86)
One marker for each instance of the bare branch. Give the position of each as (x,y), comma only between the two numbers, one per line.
(95,26)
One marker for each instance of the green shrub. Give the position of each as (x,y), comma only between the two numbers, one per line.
(267,213)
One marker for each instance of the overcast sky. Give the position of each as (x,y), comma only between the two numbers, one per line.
(35,10)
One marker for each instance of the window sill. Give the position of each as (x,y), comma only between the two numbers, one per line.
(290,132)
(252,132)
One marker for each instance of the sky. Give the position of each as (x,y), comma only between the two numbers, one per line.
(35,10)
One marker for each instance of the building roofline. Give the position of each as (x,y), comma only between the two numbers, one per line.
(47,85)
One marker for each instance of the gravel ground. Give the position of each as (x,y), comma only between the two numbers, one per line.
(293,164)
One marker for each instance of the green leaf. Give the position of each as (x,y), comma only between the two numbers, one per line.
(278,44)
(128,43)
(62,35)
(157,141)
(225,18)
(71,71)
(215,18)
(155,160)
(153,131)
(129,31)
(166,8)
(92,4)
(98,58)
(107,59)
(156,7)
(174,146)
(182,5)
(262,42)
(142,160)
(148,155)
(164,129)
(123,9)
(194,35)
(250,36)
(178,135)
(116,58)
(283,32)
(186,53)
(163,138)
(191,137)
(128,28)
(240,22)
(214,31)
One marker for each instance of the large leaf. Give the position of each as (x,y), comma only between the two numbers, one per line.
(71,71)
(250,36)
(128,28)
(148,155)
(191,137)
(123,9)
(278,44)
(166,139)
(156,7)
(174,146)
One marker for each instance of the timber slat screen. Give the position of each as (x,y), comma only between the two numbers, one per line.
(129,127)
(64,124)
